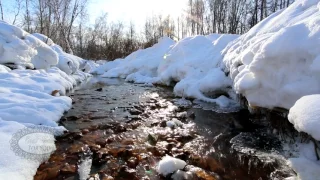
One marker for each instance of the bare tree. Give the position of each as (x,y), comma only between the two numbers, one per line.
(1,10)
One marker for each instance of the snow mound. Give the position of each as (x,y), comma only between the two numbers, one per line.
(11,165)
(307,169)
(304,115)
(145,62)
(278,60)
(21,48)
(68,63)
(26,94)
(4,69)
(26,100)
(194,63)
(169,165)
(106,66)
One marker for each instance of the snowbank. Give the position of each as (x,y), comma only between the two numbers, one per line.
(31,98)
(305,114)
(144,62)
(21,48)
(304,162)
(277,61)
(194,63)
(108,66)
(11,165)
(26,100)
(68,63)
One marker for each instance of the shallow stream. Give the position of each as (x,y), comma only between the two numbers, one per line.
(121,130)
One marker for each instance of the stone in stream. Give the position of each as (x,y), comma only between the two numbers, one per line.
(68,169)
(99,89)
(72,118)
(125,174)
(134,112)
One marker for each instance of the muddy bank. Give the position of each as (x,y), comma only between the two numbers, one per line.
(123,128)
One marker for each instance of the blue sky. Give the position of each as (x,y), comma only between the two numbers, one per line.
(135,10)
(122,10)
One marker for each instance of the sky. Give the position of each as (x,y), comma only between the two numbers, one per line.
(134,10)
(122,10)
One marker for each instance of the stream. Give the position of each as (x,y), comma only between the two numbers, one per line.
(118,130)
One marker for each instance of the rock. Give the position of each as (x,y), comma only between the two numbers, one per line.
(76,148)
(106,177)
(72,118)
(85,131)
(163,124)
(192,115)
(152,140)
(125,174)
(49,173)
(68,169)
(132,162)
(55,93)
(181,175)
(99,89)
(120,128)
(134,112)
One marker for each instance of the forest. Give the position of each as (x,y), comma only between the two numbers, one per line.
(66,23)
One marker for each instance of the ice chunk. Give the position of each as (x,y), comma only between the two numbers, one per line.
(169,165)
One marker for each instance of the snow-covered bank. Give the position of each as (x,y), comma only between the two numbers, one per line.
(32,99)
(304,115)
(277,61)
(192,62)
(143,62)
(26,100)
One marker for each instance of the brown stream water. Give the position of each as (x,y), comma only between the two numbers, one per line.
(122,128)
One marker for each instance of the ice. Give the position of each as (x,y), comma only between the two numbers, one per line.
(277,61)
(169,165)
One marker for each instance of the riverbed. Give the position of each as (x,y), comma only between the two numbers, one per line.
(121,131)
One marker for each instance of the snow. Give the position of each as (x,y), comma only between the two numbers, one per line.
(21,48)
(26,98)
(12,165)
(144,61)
(107,66)
(305,163)
(192,62)
(304,115)
(84,169)
(68,63)
(277,61)
(174,123)
(169,165)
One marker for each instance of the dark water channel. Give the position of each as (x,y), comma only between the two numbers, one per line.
(122,128)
